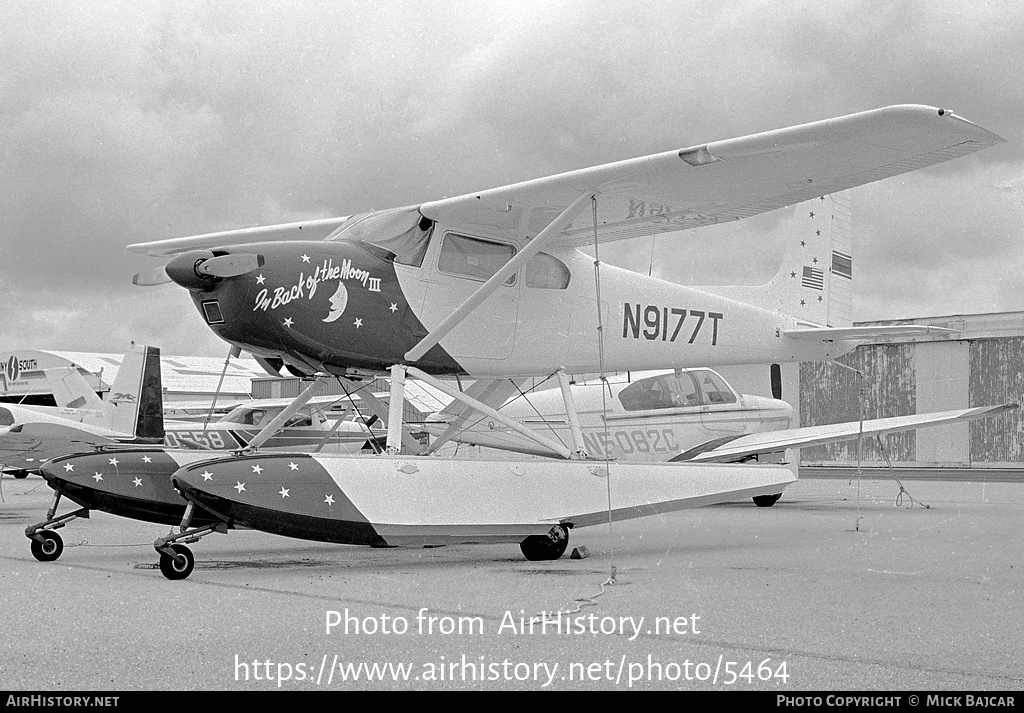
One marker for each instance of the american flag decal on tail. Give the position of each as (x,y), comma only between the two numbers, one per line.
(813,278)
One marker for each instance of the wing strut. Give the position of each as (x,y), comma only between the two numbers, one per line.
(542,240)
(519,428)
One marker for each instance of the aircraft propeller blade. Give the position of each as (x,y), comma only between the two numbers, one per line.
(148,278)
(231,265)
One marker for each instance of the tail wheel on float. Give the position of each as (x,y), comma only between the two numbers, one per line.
(178,566)
(766,501)
(546,547)
(48,548)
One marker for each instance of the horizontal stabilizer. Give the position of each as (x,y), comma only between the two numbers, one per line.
(731,449)
(863,334)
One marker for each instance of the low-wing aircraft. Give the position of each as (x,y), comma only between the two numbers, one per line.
(313,428)
(492,285)
(132,413)
(687,415)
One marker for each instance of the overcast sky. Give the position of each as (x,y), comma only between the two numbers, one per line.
(124,122)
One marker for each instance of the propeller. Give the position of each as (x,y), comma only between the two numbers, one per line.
(195,268)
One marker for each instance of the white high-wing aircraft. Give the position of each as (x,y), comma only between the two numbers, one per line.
(132,413)
(491,285)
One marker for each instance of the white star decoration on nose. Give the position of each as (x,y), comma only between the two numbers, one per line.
(69,468)
(206,475)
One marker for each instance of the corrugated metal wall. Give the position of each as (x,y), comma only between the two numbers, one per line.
(997,376)
(922,377)
(831,394)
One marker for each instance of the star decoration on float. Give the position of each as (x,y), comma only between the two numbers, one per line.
(293,466)
(288,321)
(305,258)
(257,469)
(138,482)
(239,486)
(284,493)
(98,477)
(358,323)
(393,307)
(260,279)
(147,459)
(329,500)
(206,475)
(113,462)
(69,468)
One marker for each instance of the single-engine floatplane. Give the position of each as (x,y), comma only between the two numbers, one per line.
(492,285)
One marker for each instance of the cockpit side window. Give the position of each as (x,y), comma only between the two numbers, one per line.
(659,392)
(546,273)
(6,417)
(473,258)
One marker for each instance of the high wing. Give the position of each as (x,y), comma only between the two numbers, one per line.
(727,180)
(734,448)
(682,189)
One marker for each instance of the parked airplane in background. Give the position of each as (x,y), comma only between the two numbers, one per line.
(687,415)
(132,413)
(491,285)
(313,429)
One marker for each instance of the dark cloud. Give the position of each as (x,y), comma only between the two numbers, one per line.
(125,122)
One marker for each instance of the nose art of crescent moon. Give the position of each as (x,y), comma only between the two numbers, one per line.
(339,300)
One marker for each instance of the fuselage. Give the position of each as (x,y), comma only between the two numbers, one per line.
(334,305)
(648,418)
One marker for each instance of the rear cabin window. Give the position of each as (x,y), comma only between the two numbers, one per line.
(474,258)
(659,392)
(545,272)
(713,390)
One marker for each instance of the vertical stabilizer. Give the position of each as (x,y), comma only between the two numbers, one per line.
(815,280)
(135,402)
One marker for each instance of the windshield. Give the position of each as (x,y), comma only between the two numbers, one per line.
(404,232)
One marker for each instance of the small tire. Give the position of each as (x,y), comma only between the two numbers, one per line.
(766,501)
(20,474)
(551,546)
(180,565)
(49,549)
